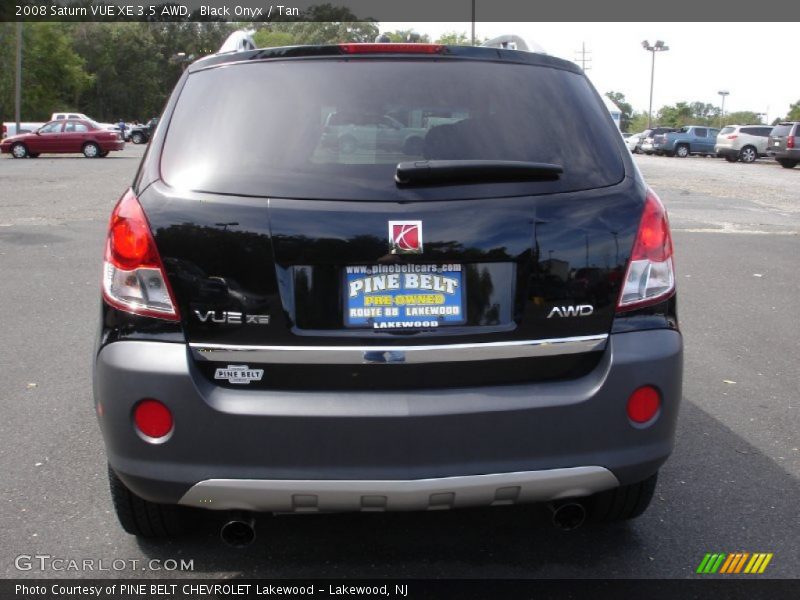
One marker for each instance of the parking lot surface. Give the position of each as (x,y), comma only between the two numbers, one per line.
(733,483)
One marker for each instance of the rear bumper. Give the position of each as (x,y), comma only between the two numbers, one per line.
(788,154)
(295,451)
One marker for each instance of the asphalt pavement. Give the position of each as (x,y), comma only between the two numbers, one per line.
(733,483)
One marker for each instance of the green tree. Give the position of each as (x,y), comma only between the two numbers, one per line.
(53,74)
(402,35)
(638,122)
(625,108)
(742,117)
(456,38)
(794,112)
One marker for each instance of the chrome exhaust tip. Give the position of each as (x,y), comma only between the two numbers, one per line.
(568,516)
(239,531)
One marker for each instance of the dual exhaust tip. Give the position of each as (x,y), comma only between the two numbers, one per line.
(239,531)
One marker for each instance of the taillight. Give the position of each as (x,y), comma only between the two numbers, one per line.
(731,137)
(133,276)
(391,48)
(790,141)
(650,277)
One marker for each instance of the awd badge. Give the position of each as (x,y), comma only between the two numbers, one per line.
(240,374)
(405,237)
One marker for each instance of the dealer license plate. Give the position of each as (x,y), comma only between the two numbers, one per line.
(391,297)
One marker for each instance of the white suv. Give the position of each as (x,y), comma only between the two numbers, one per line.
(742,142)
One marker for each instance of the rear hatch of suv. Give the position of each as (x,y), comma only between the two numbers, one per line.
(486,206)
(779,137)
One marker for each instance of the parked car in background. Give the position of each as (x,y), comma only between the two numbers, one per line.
(60,116)
(742,142)
(648,135)
(691,139)
(784,144)
(64,136)
(634,142)
(10,128)
(141,134)
(350,132)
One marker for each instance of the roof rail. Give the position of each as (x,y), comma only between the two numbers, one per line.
(238,41)
(513,42)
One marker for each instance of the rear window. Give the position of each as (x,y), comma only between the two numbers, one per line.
(337,129)
(727,130)
(781,130)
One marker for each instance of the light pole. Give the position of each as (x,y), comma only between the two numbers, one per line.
(659,46)
(722,93)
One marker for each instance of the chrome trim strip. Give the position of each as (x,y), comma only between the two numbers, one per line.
(356,355)
(303,495)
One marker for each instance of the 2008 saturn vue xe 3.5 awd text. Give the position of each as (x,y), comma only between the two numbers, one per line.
(484,317)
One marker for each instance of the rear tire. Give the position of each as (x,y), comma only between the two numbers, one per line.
(137,138)
(731,159)
(146,519)
(682,151)
(787,164)
(622,503)
(91,150)
(19,151)
(748,154)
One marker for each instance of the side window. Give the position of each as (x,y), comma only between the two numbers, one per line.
(74,116)
(797,129)
(60,117)
(713,133)
(764,131)
(700,132)
(81,128)
(749,130)
(69,127)
(54,127)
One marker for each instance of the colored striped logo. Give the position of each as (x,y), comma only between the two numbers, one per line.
(737,562)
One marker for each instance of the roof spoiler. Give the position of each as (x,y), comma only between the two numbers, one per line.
(238,41)
(513,42)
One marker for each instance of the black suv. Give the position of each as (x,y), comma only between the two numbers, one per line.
(784,144)
(141,134)
(486,317)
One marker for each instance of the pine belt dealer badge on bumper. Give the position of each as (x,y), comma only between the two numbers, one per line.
(240,374)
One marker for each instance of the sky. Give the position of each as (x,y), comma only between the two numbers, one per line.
(752,61)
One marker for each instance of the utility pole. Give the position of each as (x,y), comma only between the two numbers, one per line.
(659,46)
(582,58)
(18,81)
(722,93)
(473,22)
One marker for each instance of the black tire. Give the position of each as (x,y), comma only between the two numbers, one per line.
(19,150)
(731,158)
(748,154)
(137,137)
(787,164)
(91,150)
(682,151)
(146,519)
(622,503)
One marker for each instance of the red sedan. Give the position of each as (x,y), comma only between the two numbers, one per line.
(72,135)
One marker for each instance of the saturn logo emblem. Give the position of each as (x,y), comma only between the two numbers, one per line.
(405,237)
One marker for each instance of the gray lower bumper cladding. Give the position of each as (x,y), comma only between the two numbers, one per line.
(417,494)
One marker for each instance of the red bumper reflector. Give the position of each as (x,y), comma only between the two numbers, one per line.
(152,418)
(643,404)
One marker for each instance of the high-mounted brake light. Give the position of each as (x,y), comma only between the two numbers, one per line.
(650,277)
(133,276)
(391,48)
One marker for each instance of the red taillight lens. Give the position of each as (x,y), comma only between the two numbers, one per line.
(731,137)
(643,404)
(650,277)
(152,418)
(391,48)
(133,276)
(790,141)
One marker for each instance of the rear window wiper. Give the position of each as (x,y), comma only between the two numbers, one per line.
(453,172)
